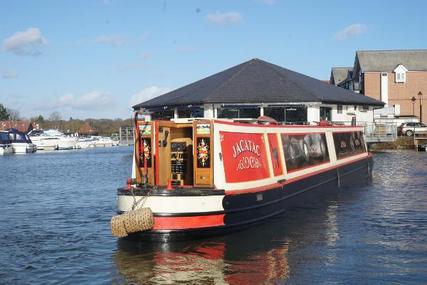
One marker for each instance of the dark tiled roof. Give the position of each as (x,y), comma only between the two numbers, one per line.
(388,60)
(257,81)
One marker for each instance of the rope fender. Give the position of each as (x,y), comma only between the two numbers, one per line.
(131,222)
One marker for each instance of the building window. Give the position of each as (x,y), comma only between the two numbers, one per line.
(249,113)
(277,113)
(162,115)
(228,113)
(400,77)
(233,113)
(296,115)
(400,74)
(339,109)
(325,113)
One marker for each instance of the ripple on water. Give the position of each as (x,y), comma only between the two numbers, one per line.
(57,206)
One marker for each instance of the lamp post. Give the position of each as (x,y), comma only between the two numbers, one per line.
(413,99)
(421,106)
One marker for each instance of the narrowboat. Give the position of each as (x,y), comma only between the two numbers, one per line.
(199,177)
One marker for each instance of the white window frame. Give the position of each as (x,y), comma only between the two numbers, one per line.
(400,74)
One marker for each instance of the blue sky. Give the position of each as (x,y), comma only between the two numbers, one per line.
(94,59)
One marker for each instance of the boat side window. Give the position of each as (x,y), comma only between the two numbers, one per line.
(19,137)
(4,138)
(304,150)
(348,144)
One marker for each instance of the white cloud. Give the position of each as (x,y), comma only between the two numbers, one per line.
(29,42)
(110,40)
(8,74)
(147,94)
(93,100)
(351,31)
(222,19)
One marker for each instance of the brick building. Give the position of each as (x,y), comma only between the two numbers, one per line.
(396,77)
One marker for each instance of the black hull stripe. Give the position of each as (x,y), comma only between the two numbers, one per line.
(239,214)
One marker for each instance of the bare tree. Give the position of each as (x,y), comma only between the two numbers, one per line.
(55,117)
(13,114)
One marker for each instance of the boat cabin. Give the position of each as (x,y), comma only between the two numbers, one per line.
(185,153)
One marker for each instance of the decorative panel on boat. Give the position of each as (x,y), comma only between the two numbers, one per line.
(349,143)
(275,155)
(145,152)
(203,153)
(244,156)
(304,150)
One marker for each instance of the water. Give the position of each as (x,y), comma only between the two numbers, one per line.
(56,207)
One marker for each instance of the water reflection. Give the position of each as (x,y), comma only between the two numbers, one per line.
(298,240)
(232,259)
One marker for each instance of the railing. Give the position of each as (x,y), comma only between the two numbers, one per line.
(376,132)
(380,132)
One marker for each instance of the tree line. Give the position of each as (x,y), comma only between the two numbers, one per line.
(104,127)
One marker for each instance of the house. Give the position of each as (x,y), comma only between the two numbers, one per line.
(22,126)
(396,77)
(259,88)
(87,130)
(342,77)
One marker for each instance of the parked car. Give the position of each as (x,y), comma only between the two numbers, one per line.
(409,129)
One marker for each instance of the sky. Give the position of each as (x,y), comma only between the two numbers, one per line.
(95,59)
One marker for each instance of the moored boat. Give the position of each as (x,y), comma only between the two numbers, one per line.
(21,143)
(44,141)
(5,144)
(205,177)
(64,142)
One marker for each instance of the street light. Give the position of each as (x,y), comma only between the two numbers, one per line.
(413,99)
(421,106)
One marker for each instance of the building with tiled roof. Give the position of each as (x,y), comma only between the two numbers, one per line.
(257,88)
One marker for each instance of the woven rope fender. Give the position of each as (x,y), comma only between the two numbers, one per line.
(132,222)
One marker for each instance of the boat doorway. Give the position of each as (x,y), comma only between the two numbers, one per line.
(175,154)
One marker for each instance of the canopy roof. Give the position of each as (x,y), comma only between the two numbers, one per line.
(257,81)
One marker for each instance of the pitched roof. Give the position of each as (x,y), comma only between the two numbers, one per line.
(22,126)
(387,60)
(257,81)
(339,74)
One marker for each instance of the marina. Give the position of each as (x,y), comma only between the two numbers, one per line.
(213,142)
(55,229)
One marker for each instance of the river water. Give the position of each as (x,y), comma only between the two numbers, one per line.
(56,207)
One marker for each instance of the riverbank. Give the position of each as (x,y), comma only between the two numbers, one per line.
(402,143)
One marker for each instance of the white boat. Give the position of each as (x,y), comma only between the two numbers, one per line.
(44,141)
(86,142)
(104,142)
(5,144)
(21,143)
(64,142)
